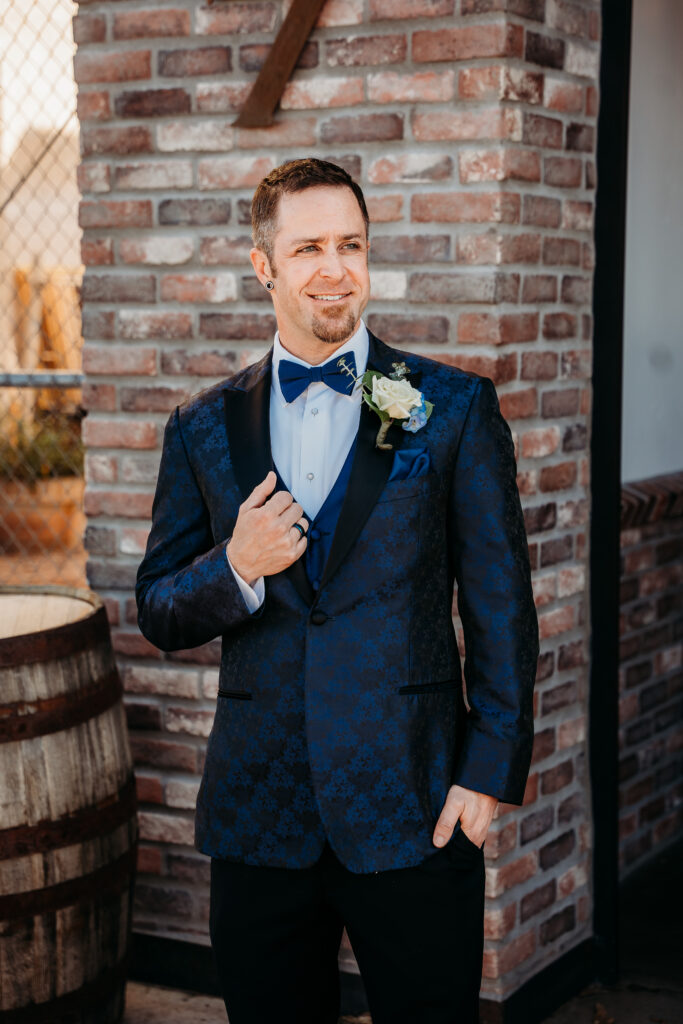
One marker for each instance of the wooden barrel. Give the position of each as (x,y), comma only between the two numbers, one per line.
(68,831)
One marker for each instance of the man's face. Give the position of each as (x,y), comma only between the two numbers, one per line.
(319,267)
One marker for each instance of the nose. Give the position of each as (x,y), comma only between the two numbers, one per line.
(331,266)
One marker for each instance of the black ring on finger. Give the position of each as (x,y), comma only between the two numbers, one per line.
(299,527)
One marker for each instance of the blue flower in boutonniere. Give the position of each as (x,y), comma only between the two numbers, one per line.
(393,398)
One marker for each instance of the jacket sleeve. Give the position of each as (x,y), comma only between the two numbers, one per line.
(186,592)
(490,557)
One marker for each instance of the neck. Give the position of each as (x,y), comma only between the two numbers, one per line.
(310,348)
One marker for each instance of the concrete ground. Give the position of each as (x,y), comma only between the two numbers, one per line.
(649,991)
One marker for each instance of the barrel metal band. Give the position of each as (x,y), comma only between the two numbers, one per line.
(99,886)
(89,822)
(58,642)
(26,719)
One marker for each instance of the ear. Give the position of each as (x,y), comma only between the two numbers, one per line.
(259,262)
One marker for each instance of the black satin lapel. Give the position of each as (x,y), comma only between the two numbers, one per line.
(369,473)
(247,420)
(247,417)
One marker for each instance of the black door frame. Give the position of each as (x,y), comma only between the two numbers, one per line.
(608,329)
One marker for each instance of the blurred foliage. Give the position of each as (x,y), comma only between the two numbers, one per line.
(50,447)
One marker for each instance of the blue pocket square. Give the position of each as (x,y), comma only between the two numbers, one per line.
(410,462)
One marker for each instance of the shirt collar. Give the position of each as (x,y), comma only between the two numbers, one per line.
(358,343)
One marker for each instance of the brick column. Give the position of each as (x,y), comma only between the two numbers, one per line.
(471,126)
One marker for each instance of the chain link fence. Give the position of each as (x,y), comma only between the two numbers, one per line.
(41,456)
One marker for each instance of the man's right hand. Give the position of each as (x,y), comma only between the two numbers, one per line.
(264,540)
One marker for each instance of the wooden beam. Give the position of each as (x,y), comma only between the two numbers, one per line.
(267,90)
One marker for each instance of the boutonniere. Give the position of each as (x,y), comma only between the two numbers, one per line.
(393,398)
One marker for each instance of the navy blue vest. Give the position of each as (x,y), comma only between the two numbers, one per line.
(321,528)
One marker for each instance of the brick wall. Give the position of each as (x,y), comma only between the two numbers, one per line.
(651,675)
(471,126)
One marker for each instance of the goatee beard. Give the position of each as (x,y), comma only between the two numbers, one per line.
(331,332)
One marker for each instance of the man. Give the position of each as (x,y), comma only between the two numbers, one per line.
(346,782)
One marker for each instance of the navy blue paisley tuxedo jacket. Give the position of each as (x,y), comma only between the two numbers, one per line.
(340,711)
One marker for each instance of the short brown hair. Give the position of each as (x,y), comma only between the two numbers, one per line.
(295,176)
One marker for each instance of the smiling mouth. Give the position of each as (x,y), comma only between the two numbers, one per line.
(330,298)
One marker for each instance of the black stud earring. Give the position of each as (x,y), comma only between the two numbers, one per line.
(269,285)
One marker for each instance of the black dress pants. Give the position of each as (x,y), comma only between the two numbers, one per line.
(417,934)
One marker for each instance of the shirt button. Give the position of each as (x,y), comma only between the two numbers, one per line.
(315,534)
(310,476)
(314,412)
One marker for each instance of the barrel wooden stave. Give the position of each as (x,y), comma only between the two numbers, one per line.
(68,831)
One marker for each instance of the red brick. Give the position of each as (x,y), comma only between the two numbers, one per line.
(489,328)
(129,213)
(252,56)
(195,136)
(196,212)
(500,369)
(502,960)
(118,288)
(93,177)
(299,132)
(534,9)
(491,123)
(220,249)
(576,289)
(155,24)
(97,324)
(100,469)
(166,828)
(119,433)
(580,137)
(558,477)
(539,288)
(212,363)
(361,50)
(116,140)
(539,365)
(425,87)
(559,924)
(93,106)
(546,132)
(148,789)
(500,921)
(221,97)
(97,251)
(165,682)
(189,721)
(560,620)
(501,879)
(199,287)
(236,326)
(163,754)
(542,211)
(494,39)
(562,171)
(322,93)
(497,81)
(381,10)
(202,60)
(156,250)
(89,28)
(382,209)
(568,18)
(563,96)
(166,174)
(152,103)
(133,505)
(135,325)
(133,540)
(516,405)
(498,165)
(99,397)
(537,900)
(558,250)
(152,399)
(397,329)
(362,128)
(121,66)
(233,171)
(592,101)
(234,18)
(548,51)
(100,541)
(559,326)
(540,441)
(465,207)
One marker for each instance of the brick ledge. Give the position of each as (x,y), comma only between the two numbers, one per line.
(652,499)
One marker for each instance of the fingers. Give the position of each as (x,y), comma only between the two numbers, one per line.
(452,810)
(261,491)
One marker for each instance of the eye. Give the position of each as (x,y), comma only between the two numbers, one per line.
(352,245)
(307,248)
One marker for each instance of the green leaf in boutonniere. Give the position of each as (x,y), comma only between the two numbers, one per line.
(393,398)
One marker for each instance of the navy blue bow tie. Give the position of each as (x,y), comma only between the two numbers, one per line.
(295,378)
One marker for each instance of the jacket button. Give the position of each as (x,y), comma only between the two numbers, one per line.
(318,617)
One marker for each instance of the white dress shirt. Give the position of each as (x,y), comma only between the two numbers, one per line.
(310,437)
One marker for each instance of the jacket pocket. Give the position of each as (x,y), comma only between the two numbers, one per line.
(235,694)
(443,684)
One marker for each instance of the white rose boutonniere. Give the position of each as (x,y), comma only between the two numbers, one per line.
(393,398)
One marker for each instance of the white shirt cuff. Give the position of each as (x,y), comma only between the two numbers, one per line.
(253,596)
